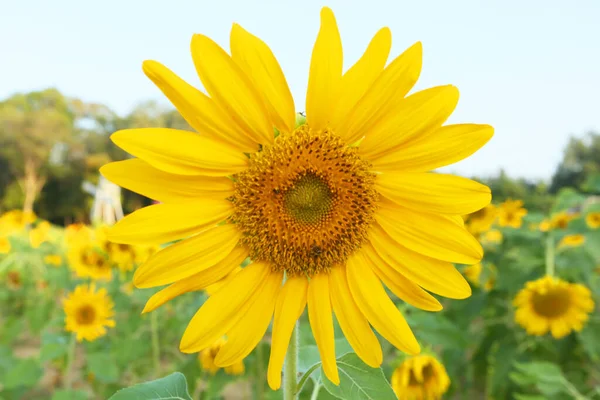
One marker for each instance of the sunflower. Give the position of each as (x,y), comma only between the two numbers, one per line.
(39,234)
(473,275)
(14,281)
(75,232)
(545,225)
(511,213)
(335,205)
(593,220)
(481,221)
(4,245)
(88,312)
(420,378)
(15,220)
(561,220)
(88,258)
(207,360)
(493,236)
(552,305)
(575,240)
(53,259)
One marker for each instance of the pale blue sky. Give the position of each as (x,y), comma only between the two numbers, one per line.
(529,68)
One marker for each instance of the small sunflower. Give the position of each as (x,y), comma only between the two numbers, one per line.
(14,281)
(76,232)
(420,378)
(88,312)
(511,213)
(88,258)
(593,220)
(54,260)
(561,220)
(575,240)
(336,205)
(545,225)
(39,234)
(552,305)
(493,236)
(4,245)
(207,360)
(481,221)
(15,221)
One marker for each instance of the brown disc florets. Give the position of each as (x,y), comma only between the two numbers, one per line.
(305,203)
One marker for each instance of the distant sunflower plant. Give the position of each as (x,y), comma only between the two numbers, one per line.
(88,312)
(328,212)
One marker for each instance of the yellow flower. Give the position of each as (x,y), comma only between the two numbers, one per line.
(14,280)
(545,226)
(572,241)
(420,378)
(552,305)
(15,220)
(88,312)
(39,234)
(338,204)
(53,259)
(481,221)
(511,213)
(4,245)
(473,275)
(561,220)
(88,258)
(492,236)
(76,232)
(207,360)
(593,220)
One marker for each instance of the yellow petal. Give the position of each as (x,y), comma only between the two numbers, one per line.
(401,286)
(445,146)
(325,73)
(198,281)
(417,115)
(223,309)
(361,76)
(231,89)
(432,235)
(251,327)
(162,223)
(180,152)
(437,276)
(321,323)
(382,98)
(259,63)
(289,307)
(198,109)
(140,177)
(374,303)
(188,257)
(434,193)
(353,323)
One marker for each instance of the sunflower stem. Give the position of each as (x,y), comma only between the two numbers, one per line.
(260,372)
(70,357)
(315,391)
(550,254)
(290,370)
(155,344)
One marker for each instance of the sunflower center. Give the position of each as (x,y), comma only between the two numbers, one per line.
(427,374)
(85,315)
(305,203)
(551,304)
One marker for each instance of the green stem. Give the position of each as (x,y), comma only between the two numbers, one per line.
(290,370)
(315,391)
(550,254)
(70,357)
(260,372)
(155,344)
(305,377)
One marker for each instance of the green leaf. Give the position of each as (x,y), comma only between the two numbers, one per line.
(589,339)
(308,355)
(103,367)
(38,315)
(358,381)
(172,387)
(70,395)
(548,377)
(26,373)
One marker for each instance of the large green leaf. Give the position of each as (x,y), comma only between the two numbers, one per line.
(25,373)
(172,387)
(358,381)
(308,355)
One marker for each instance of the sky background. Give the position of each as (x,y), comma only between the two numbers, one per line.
(529,68)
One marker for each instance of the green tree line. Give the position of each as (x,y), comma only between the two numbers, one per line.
(50,144)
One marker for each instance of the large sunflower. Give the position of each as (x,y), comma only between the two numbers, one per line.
(331,207)
(552,305)
(88,312)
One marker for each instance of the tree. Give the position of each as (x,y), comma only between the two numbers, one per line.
(581,159)
(32,126)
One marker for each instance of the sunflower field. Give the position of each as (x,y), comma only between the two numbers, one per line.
(73,326)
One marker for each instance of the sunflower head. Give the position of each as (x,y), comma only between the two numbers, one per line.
(511,213)
(88,312)
(4,245)
(575,240)
(419,378)
(15,220)
(55,260)
(207,360)
(593,220)
(88,258)
(552,305)
(561,220)
(482,220)
(14,280)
